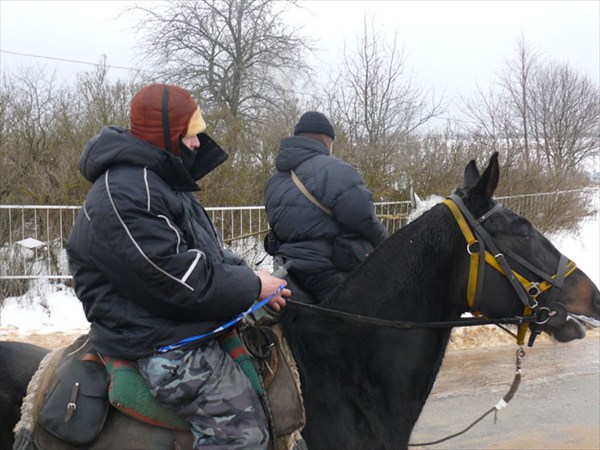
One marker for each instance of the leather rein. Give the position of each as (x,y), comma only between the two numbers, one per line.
(478,242)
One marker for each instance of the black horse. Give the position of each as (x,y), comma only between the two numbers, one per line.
(18,363)
(364,384)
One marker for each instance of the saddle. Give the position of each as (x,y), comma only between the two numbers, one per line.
(77,399)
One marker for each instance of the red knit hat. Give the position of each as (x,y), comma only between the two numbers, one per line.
(162,114)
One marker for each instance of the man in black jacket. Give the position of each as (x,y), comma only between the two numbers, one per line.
(150,268)
(327,200)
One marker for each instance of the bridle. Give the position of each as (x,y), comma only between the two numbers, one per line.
(483,250)
(478,242)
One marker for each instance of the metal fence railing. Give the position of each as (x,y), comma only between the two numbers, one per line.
(32,237)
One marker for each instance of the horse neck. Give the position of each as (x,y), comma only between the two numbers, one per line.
(408,276)
(369,381)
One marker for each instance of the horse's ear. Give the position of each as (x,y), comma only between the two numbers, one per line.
(488,182)
(471,175)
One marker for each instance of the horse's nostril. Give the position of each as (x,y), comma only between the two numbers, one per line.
(596,301)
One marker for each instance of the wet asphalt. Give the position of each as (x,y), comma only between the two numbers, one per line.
(556,406)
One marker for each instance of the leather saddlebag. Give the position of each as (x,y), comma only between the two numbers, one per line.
(76,405)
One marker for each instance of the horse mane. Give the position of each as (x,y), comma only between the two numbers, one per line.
(413,252)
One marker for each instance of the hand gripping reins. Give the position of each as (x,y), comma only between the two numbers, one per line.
(194,339)
(247,315)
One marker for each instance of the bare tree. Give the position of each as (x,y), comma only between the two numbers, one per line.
(377,105)
(565,116)
(516,83)
(101,101)
(493,125)
(6,88)
(542,115)
(45,127)
(231,53)
(29,142)
(376,94)
(501,116)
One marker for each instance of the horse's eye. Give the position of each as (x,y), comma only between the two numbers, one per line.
(522,227)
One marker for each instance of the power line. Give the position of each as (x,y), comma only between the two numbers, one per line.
(149,71)
(70,60)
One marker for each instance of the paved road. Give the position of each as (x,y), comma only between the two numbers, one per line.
(557,405)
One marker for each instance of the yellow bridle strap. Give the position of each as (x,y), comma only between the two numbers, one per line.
(474,259)
(543,286)
(524,327)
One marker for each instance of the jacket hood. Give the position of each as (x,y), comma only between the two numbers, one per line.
(115,146)
(162,114)
(295,150)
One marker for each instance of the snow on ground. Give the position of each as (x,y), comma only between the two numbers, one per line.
(583,247)
(48,308)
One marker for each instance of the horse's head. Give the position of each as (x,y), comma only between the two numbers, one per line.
(523,273)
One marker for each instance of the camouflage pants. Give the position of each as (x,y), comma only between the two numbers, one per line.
(208,389)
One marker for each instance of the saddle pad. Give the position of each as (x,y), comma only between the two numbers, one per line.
(128,392)
(232,344)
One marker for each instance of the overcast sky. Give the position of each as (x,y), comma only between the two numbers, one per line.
(449,45)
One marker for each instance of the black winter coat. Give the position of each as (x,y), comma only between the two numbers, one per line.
(147,262)
(306,231)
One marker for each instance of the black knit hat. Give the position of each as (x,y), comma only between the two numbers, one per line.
(314,122)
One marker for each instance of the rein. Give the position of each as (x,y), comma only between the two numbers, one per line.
(503,403)
(465,322)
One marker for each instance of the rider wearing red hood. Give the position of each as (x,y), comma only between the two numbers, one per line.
(150,268)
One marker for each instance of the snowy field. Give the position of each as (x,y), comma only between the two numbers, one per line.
(50,308)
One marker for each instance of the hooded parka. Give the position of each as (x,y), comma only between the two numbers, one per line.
(147,263)
(306,232)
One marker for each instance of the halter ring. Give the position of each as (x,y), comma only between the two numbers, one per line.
(543,322)
(473,244)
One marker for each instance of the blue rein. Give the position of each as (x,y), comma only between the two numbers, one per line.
(232,322)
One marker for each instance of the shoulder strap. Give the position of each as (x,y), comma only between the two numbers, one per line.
(308,195)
